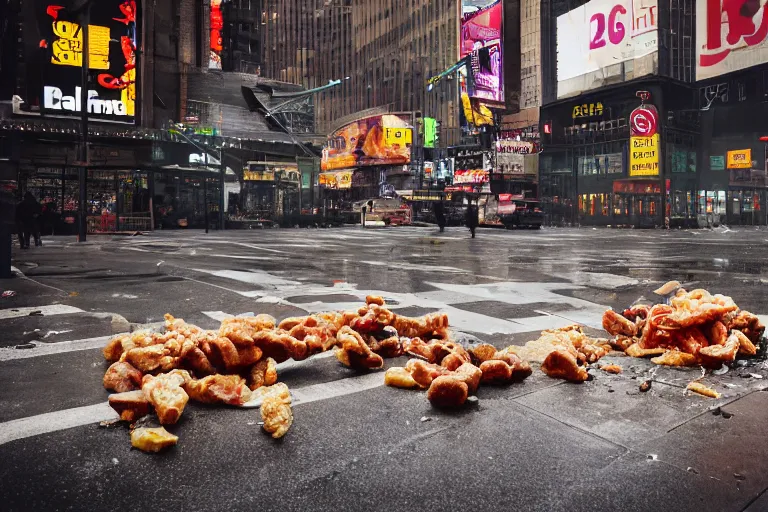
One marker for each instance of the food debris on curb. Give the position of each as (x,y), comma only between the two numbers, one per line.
(646,386)
(701,389)
(611,368)
(152,440)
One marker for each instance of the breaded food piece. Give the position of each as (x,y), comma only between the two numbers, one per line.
(152,440)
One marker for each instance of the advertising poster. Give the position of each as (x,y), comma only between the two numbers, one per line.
(217,39)
(644,156)
(377,140)
(594,37)
(739,159)
(510,156)
(339,180)
(430,132)
(730,36)
(112,45)
(481,29)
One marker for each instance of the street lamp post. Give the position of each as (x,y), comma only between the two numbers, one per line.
(83,156)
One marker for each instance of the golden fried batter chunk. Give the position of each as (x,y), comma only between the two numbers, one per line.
(114,349)
(399,378)
(634,350)
(746,347)
(166,394)
(622,343)
(496,372)
(130,405)
(616,324)
(482,352)
(424,373)
(611,368)
(276,410)
(675,358)
(291,322)
(146,359)
(422,327)
(152,440)
(416,347)
(714,356)
(387,348)
(470,375)
(562,364)
(281,346)
(701,389)
(448,391)
(195,359)
(263,373)
(355,352)
(219,389)
(121,377)
(375,299)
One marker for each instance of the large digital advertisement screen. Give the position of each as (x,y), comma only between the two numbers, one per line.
(606,41)
(57,58)
(217,36)
(730,36)
(376,140)
(481,40)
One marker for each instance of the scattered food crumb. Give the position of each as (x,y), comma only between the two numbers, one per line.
(425,418)
(115,461)
(701,389)
(612,368)
(645,386)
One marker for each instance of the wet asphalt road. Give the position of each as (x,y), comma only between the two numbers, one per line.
(354,445)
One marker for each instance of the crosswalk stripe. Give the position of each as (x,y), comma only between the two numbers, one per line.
(49,310)
(47,349)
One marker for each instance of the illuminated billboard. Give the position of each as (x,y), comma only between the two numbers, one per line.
(730,36)
(481,40)
(376,140)
(217,39)
(604,42)
(112,45)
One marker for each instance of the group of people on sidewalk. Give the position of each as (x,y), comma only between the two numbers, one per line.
(28,213)
(472,217)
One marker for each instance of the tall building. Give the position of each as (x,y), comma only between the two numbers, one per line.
(387,48)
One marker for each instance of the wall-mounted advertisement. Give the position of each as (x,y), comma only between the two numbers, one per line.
(217,39)
(58,57)
(510,157)
(340,180)
(730,36)
(481,40)
(376,140)
(606,41)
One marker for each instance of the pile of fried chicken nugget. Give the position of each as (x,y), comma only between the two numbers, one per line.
(237,365)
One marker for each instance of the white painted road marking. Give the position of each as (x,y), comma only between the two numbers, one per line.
(50,310)
(80,416)
(55,421)
(47,349)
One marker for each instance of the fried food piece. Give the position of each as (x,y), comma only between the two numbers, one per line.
(166,394)
(714,356)
(399,378)
(248,356)
(152,440)
(448,391)
(668,288)
(121,377)
(225,353)
(276,412)
(422,327)
(562,364)
(317,334)
(592,353)
(495,372)
(146,359)
(749,324)
(130,405)
(450,355)
(280,346)
(616,324)
(114,349)
(416,347)
(372,318)
(698,387)
(611,368)
(696,308)
(622,343)
(634,350)
(196,360)
(375,299)
(291,322)
(263,373)
(690,340)
(746,347)
(355,352)
(387,348)
(424,373)
(638,311)
(470,375)
(482,352)
(219,389)
(675,358)
(718,333)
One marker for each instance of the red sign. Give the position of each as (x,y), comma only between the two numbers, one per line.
(644,121)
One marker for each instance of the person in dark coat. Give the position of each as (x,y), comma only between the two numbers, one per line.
(440,215)
(28,220)
(472,218)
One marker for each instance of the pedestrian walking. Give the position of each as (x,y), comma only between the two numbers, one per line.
(472,218)
(439,208)
(28,220)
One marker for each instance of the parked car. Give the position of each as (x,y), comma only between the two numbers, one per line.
(521,213)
